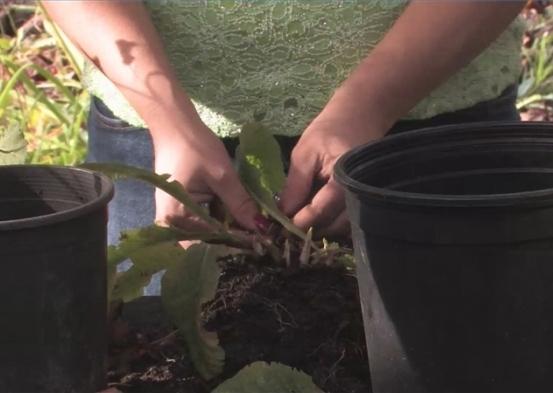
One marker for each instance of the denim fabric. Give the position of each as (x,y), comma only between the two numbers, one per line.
(113,140)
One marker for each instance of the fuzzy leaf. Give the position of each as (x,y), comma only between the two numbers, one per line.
(132,242)
(135,240)
(261,150)
(261,377)
(262,172)
(185,286)
(148,261)
(173,188)
(12,144)
(151,249)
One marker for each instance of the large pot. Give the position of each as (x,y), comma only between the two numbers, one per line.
(453,234)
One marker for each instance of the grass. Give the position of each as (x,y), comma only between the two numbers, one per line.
(40,89)
(536,87)
(40,92)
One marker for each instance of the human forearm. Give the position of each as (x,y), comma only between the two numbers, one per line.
(120,39)
(429,43)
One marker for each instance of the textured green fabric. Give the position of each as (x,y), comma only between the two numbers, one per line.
(278,62)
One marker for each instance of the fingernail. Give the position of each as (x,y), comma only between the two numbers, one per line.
(279,202)
(262,223)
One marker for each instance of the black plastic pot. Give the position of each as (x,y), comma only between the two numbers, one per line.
(453,234)
(53,279)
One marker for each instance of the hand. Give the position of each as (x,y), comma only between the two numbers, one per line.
(312,162)
(197,159)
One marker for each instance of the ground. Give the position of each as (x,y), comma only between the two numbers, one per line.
(308,318)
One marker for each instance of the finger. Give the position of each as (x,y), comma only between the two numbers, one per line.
(188,243)
(299,183)
(239,203)
(170,211)
(338,228)
(324,207)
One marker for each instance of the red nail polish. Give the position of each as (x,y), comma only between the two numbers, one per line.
(262,223)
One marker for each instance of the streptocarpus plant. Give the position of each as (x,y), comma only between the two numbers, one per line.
(191,275)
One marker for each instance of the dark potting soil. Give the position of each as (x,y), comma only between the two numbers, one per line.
(309,319)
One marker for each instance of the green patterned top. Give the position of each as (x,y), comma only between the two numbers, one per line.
(278,62)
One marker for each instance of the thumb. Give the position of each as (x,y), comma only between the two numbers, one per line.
(240,204)
(298,185)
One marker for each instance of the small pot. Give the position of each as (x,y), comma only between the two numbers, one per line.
(53,335)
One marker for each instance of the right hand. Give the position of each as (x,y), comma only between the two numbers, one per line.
(198,160)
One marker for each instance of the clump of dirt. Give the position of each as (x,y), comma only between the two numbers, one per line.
(309,318)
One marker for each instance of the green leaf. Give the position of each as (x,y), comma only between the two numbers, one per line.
(185,286)
(525,86)
(151,249)
(9,87)
(146,262)
(12,144)
(173,188)
(36,93)
(262,172)
(60,86)
(261,150)
(5,44)
(136,239)
(261,377)
(111,276)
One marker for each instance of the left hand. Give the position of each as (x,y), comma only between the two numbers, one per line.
(331,134)
(399,72)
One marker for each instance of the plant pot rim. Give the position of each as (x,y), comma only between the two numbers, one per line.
(106,193)
(394,143)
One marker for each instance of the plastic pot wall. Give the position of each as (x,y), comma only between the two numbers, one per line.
(453,235)
(53,289)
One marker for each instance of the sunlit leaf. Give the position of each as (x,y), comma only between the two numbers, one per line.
(148,261)
(262,172)
(260,149)
(151,250)
(261,377)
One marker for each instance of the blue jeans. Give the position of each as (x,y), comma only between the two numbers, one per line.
(113,140)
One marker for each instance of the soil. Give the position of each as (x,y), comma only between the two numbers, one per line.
(309,318)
